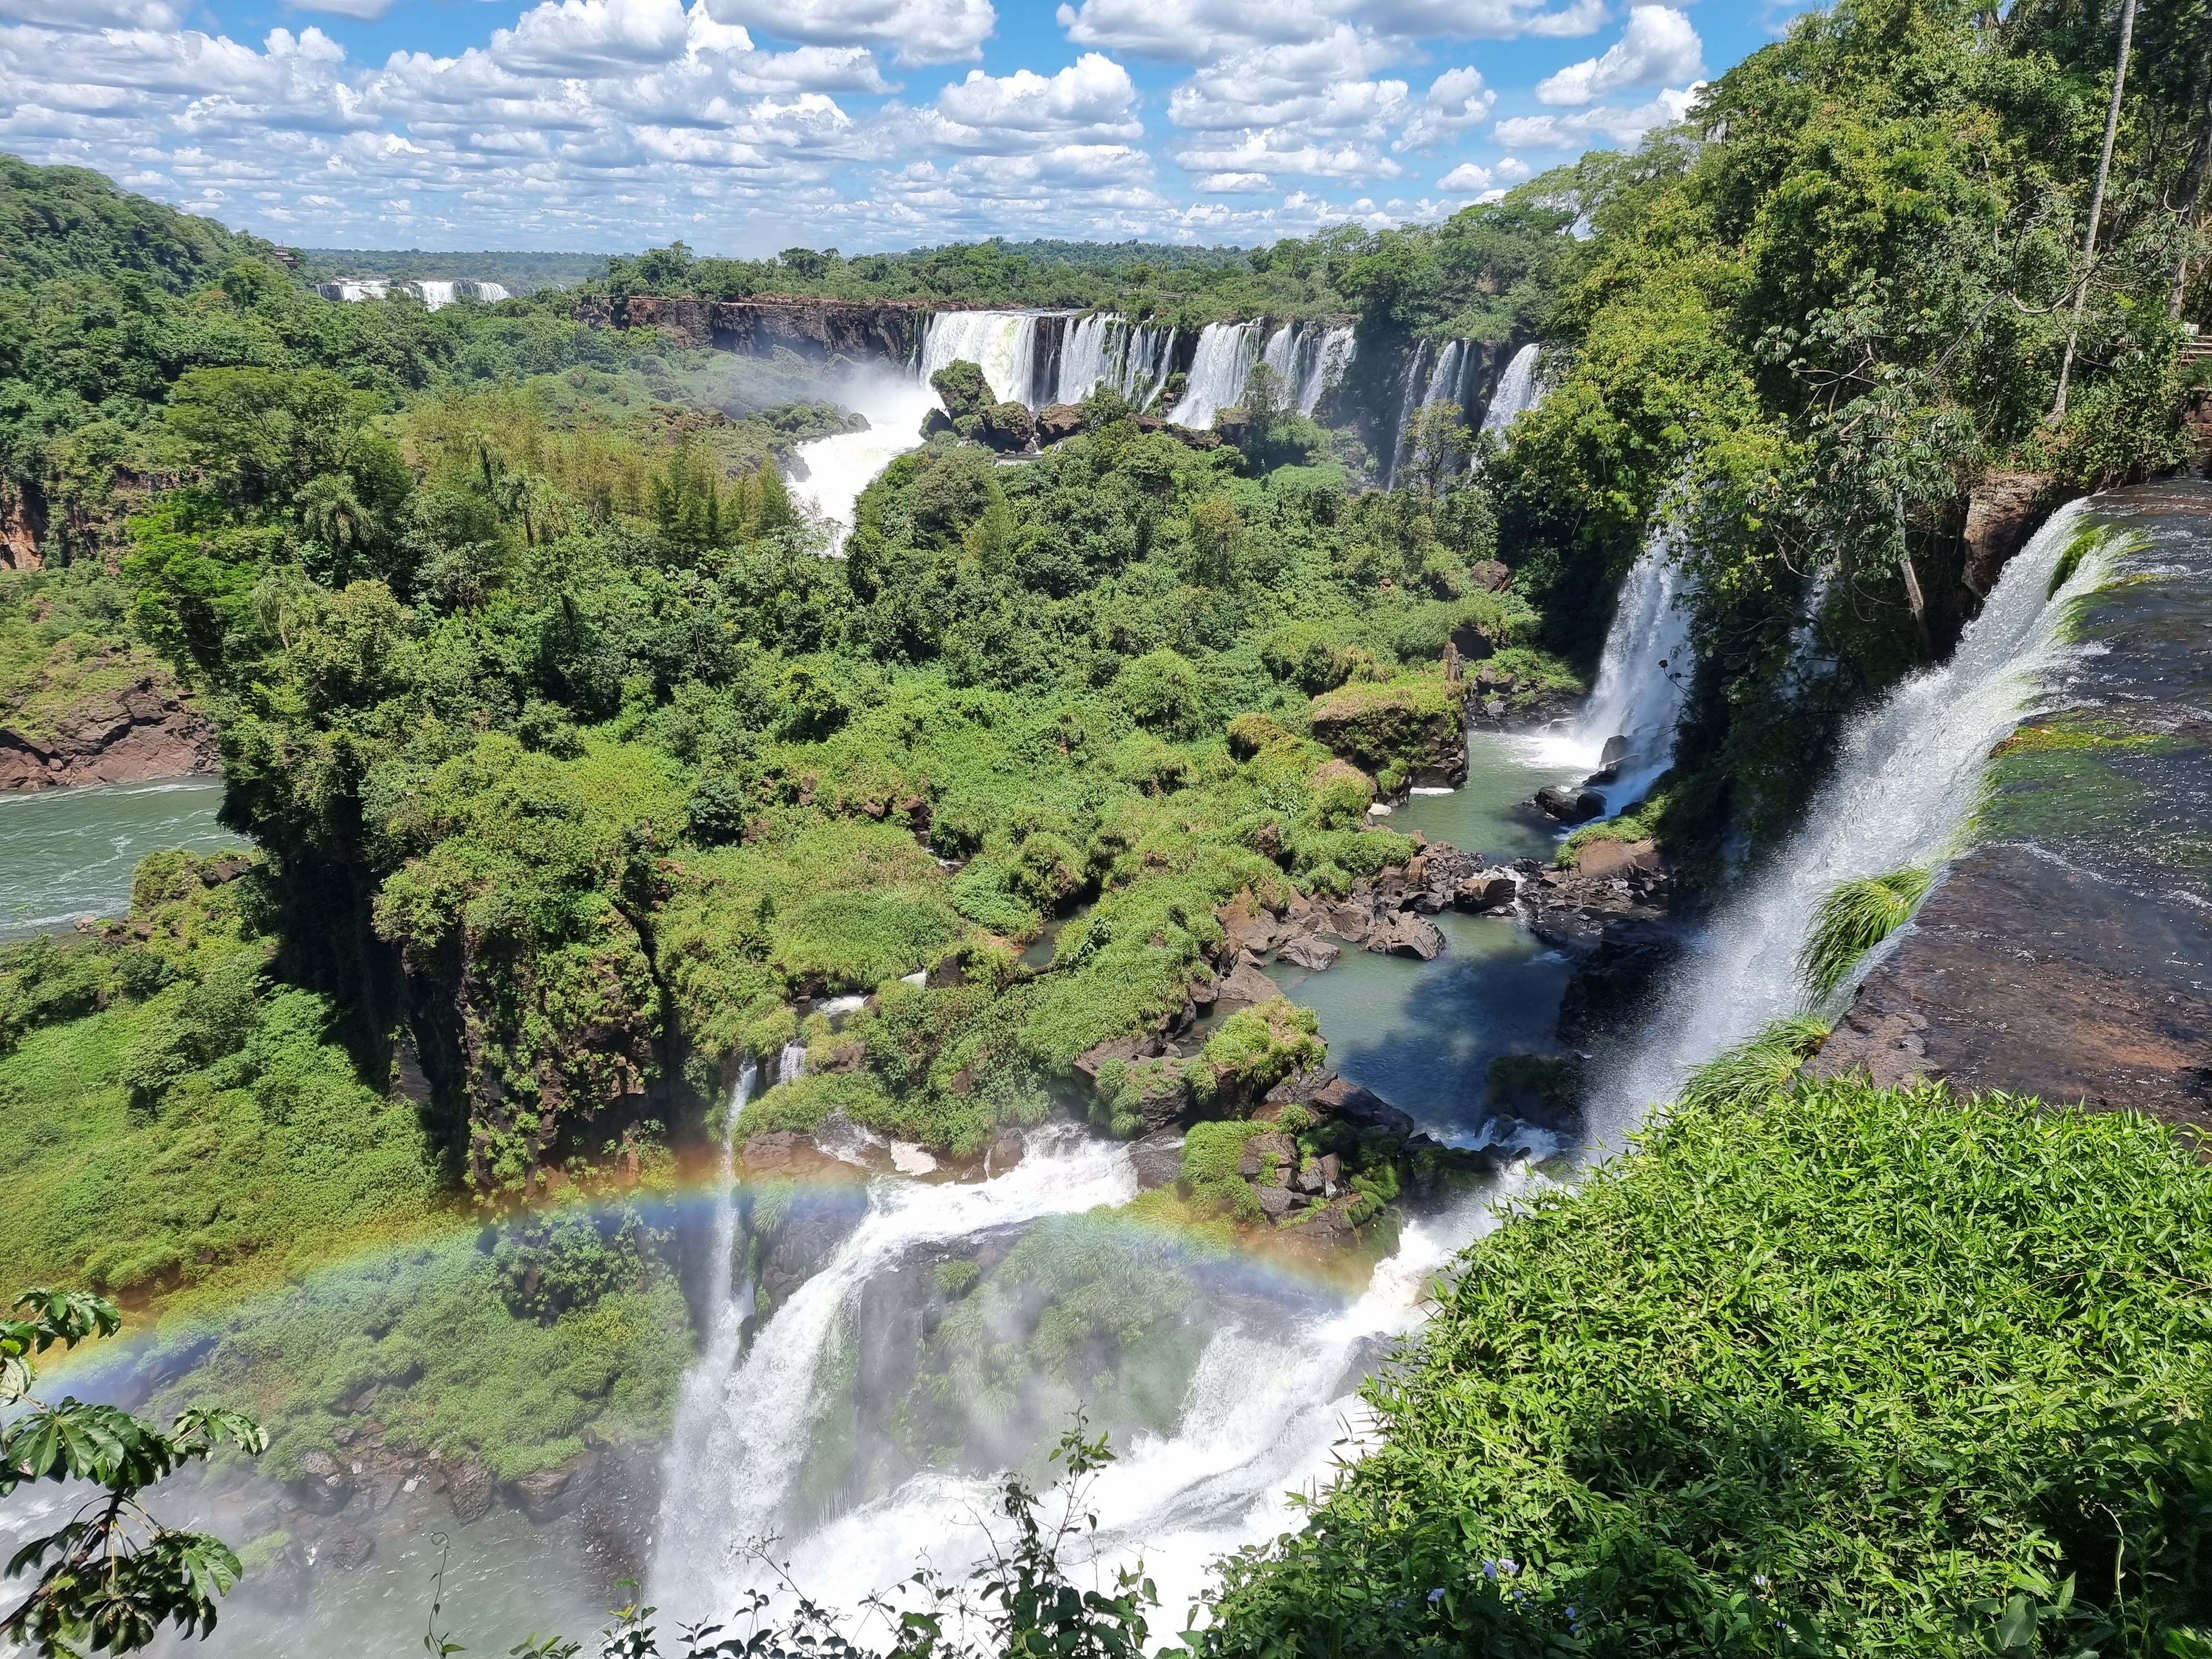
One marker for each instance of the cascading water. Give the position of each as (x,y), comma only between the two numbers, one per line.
(1642,679)
(1003,344)
(1264,1413)
(1907,775)
(435,296)
(1517,391)
(729,1304)
(729,1490)
(791,1064)
(1227,352)
(1326,366)
(491,292)
(1408,403)
(1132,359)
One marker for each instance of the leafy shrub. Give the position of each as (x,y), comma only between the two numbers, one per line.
(1852,920)
(1879,1370)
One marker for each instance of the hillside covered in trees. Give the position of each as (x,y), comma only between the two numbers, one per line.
(581,775)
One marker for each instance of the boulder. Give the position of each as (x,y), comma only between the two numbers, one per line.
(2004,509)
(324,1485)
(1490,575)
(1058,421)
(1311,953)
(1123,1049)
(1407,934)
(1612,858)
(1005,1152)
(348,1551)
(1008,426)
(1275,1201)
(1348,921)
(1246,984)
(1567,803)
(546,1494)
(1485,892)
(1357,1105)
(470,1489)
(1157,1159)
(960,384)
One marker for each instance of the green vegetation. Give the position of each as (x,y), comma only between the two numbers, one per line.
(110,1576)
(1852,920)
(1819,1368)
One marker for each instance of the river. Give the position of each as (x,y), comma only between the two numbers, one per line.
(68,853)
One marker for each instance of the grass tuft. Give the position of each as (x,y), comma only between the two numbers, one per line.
(1855,918)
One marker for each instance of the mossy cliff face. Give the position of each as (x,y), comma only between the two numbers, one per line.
(2069,954)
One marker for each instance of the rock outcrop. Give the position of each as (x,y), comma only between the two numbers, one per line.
(2070,955)
(759,325)
(2004,509)
(142,728)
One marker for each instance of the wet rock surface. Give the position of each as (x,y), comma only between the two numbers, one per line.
(2070,955)
(1612,915)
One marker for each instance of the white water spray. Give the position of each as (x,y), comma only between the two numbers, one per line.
(1518,391)
(730,1489)
(1227,352)
(841,466)
(1906,778)
(1003,344)
(1642,679)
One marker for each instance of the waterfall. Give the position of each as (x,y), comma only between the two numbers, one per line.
(1409,401)
(1147,359)
(1325,366)
(1084,360)
(491,292)
(1517,391)
(1421,392)
(728,1489)
(1227,352)
(1642,676)
(791,1064)
(434,294)
(1265,1413)
(1002,343)
(729,1306)
(1907,775)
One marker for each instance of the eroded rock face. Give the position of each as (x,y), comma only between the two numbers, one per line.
(143,730)
(812,327)
(2004,509)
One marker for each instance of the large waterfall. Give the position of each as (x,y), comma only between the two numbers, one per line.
(1003,344)
(1907,775)
(1227,352)
(1265,1412)
(1308,359)
(1517,391)
(1132,359)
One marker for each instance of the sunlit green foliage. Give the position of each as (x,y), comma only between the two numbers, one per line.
(1822,1368)
(1852,920)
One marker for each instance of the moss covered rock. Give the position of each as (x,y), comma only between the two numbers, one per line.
(1406,732)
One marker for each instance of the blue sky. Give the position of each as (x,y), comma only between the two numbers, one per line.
(747,125)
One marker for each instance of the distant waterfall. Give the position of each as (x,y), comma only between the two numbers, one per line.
(1907,773)
(1517,391)
(1309,360)
(1130,359)
(435,296)
(1227,352)
(491,292)
(1003,344)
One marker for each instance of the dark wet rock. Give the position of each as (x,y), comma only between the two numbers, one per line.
(1614,752)
(544,1494)
(1481,894)
(2003,510)
(1406,934)
(1566,803)
(1310,953)
(1615,977)
(1123,1049)
(1005,1152)
(1359,1105)
(1157,1159)
(325,1484)
(1274,1201)
(1056,422)
(806,1234)
(785,1154)
(348,1551)
(469,1488)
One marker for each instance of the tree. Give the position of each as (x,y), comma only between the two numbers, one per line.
(111,1577)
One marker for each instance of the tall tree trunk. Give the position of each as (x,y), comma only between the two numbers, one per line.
(2096,205)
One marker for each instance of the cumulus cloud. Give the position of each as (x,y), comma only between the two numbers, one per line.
(1094,93)
(1456,100)
(1319,84)
(1200,31)
(91,14)
(1625,126)
(809,68)
(1659,45)
(918,31)
(1233,184)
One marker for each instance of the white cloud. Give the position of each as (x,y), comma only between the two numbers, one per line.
(1233,184)
(1468,176)
(1626,126)
(1318,84)
(1659,45)
(809,68)
(1513,168)
(1200,31)
(1456,100)
(1094,92)
(91,14)
(919,30)
(581,37)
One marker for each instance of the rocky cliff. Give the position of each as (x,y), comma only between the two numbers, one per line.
(2068,955)
(114,717)
(811,327)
